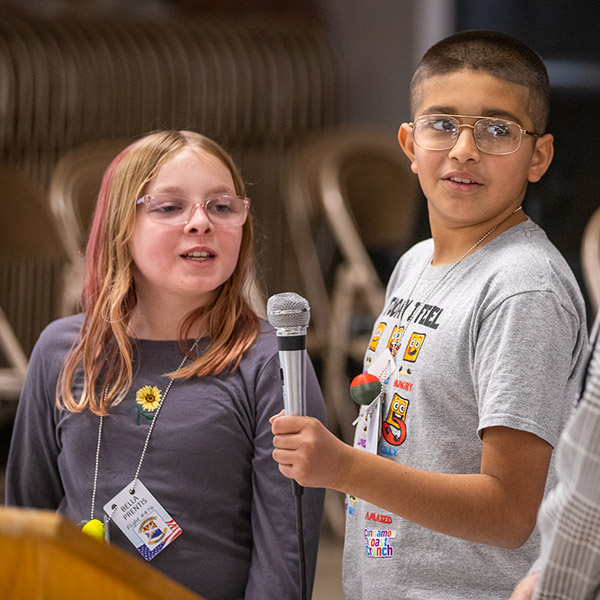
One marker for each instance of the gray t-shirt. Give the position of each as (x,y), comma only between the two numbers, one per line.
(208,463)
(498,343)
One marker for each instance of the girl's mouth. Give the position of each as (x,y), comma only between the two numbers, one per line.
(198,255)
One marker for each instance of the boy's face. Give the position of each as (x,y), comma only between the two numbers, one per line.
(463,185)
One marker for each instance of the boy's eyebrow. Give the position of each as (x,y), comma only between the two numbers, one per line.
(438,110)
(487,112)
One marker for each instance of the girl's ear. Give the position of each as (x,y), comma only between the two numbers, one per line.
(407,143)
(541,157)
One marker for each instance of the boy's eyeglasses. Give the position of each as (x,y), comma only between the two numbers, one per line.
(171,209)
(492,136)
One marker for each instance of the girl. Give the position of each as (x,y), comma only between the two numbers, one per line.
(147,415)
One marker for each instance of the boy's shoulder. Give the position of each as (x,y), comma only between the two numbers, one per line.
(521,259)
(524,260)
(525,251)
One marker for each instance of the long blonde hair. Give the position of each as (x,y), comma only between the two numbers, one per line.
(104,349)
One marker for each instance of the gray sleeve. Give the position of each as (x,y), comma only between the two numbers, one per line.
(32,477)
(274,570)
(569,520)
(525,364)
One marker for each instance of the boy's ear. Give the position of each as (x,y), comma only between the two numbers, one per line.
(407,143)
(541,158)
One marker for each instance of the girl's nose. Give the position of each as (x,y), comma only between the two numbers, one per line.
(199,220)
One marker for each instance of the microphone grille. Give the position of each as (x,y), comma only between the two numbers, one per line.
(288,309)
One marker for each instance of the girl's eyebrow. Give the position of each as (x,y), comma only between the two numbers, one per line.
(172,189)
(221,189)
(175,189)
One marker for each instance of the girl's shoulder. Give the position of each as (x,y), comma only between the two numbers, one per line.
(58,336)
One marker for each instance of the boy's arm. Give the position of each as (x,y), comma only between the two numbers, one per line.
(496,506)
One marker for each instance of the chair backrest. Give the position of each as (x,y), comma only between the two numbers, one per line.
(590,259)
(350,195)
(32,261)
(253,84)
(74,187)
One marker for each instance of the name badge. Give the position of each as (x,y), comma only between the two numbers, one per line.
(142,519)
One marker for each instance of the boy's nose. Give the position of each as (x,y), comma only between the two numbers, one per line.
(465,148)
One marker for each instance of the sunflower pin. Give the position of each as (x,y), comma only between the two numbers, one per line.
(148,399)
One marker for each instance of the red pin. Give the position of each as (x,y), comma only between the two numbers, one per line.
(365,388)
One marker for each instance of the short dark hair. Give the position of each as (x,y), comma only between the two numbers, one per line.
(498,54)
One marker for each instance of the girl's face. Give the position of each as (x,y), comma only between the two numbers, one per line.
(183,265)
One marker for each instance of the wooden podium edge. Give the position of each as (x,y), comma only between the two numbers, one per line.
(52,528)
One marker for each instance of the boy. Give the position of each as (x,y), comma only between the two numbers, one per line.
(483,332)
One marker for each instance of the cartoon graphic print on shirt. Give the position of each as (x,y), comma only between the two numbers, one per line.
(414,346)
(397,334)
(379,543)
(376,336)
(351,504)
(393,427)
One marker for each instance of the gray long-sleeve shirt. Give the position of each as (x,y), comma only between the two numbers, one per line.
(208,463)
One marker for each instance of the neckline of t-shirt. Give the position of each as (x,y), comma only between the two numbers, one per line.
(173,342)
(436,271)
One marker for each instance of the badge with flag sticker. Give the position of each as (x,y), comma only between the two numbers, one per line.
(142,519)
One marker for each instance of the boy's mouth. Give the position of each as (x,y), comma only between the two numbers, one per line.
(463,180)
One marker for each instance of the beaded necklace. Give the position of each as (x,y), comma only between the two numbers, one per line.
(93,526)
(395,343)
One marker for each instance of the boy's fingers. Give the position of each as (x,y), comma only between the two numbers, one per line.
(283,457)
(279,414)
(288,441)
(283,424)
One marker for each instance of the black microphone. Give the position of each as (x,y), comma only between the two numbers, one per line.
(289,313)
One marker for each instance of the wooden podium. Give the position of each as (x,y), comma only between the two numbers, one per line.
(43,556)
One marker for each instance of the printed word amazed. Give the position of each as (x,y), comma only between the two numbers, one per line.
(371,516)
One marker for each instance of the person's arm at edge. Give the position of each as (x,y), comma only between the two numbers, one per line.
(526,587)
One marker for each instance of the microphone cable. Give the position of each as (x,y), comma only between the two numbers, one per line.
(298,492)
